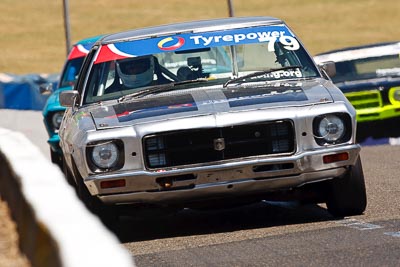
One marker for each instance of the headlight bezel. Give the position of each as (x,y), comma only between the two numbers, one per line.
(97,168)
(394,95)
(345,137)
(54,125)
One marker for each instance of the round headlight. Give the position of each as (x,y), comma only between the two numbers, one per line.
(56,119)
(331,128)
(105,155)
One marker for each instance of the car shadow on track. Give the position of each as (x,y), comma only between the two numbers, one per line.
(192,222)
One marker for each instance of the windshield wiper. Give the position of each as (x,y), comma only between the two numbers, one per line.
(198,80)
(158,89)
(258,73)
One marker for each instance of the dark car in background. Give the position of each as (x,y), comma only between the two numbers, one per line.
(53,111)
(369,76)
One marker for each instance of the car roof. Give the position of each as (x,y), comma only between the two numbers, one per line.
(81,48)
(359,52)
(357,47)
(192,26)
(89,40)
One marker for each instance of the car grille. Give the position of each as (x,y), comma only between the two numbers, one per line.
(366,99)
(197,146)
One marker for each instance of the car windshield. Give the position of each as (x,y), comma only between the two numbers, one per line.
(217,64)
(367,68)
(71,71)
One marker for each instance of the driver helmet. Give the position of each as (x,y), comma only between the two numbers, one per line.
(137,71)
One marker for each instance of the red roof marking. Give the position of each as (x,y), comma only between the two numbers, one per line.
(76,53)
(106,54)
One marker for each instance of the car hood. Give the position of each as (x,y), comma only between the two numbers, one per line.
(206,101)
(361,85)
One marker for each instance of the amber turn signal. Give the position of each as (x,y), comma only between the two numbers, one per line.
(336,157)
(113,183)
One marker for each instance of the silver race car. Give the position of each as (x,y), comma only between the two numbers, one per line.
(209,113)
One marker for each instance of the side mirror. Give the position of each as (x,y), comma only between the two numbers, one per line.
(329,68)
(46,88)
(68,98)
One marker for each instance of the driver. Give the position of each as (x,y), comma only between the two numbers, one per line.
(136,72)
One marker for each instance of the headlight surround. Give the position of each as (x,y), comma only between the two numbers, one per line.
(105,155)
(394,95)
(332,128)
(56,119)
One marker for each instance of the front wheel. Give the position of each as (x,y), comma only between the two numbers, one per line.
(56,159)
(347,195)
(67,173)
(107,214)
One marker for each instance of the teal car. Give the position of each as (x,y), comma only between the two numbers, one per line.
(52,111)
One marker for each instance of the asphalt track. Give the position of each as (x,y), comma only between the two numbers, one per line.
(264,234)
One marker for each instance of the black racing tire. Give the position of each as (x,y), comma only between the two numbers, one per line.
(56,159)
(67,173)
(107,214)
(346,196)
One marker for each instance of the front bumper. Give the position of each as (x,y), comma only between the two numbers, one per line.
(235,178)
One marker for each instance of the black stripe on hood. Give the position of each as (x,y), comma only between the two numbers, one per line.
(154,107)
(262,95)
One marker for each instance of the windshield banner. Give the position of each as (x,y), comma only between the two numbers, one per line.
(189,41)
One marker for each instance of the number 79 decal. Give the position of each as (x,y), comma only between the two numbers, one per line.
(288,42)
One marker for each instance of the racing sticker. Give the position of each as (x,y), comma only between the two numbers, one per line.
(171,43)
(79,51)
(153,107)
(254,96)
(189,41)
(388,72)
(296,73)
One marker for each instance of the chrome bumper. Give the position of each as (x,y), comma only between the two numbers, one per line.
(244,177)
